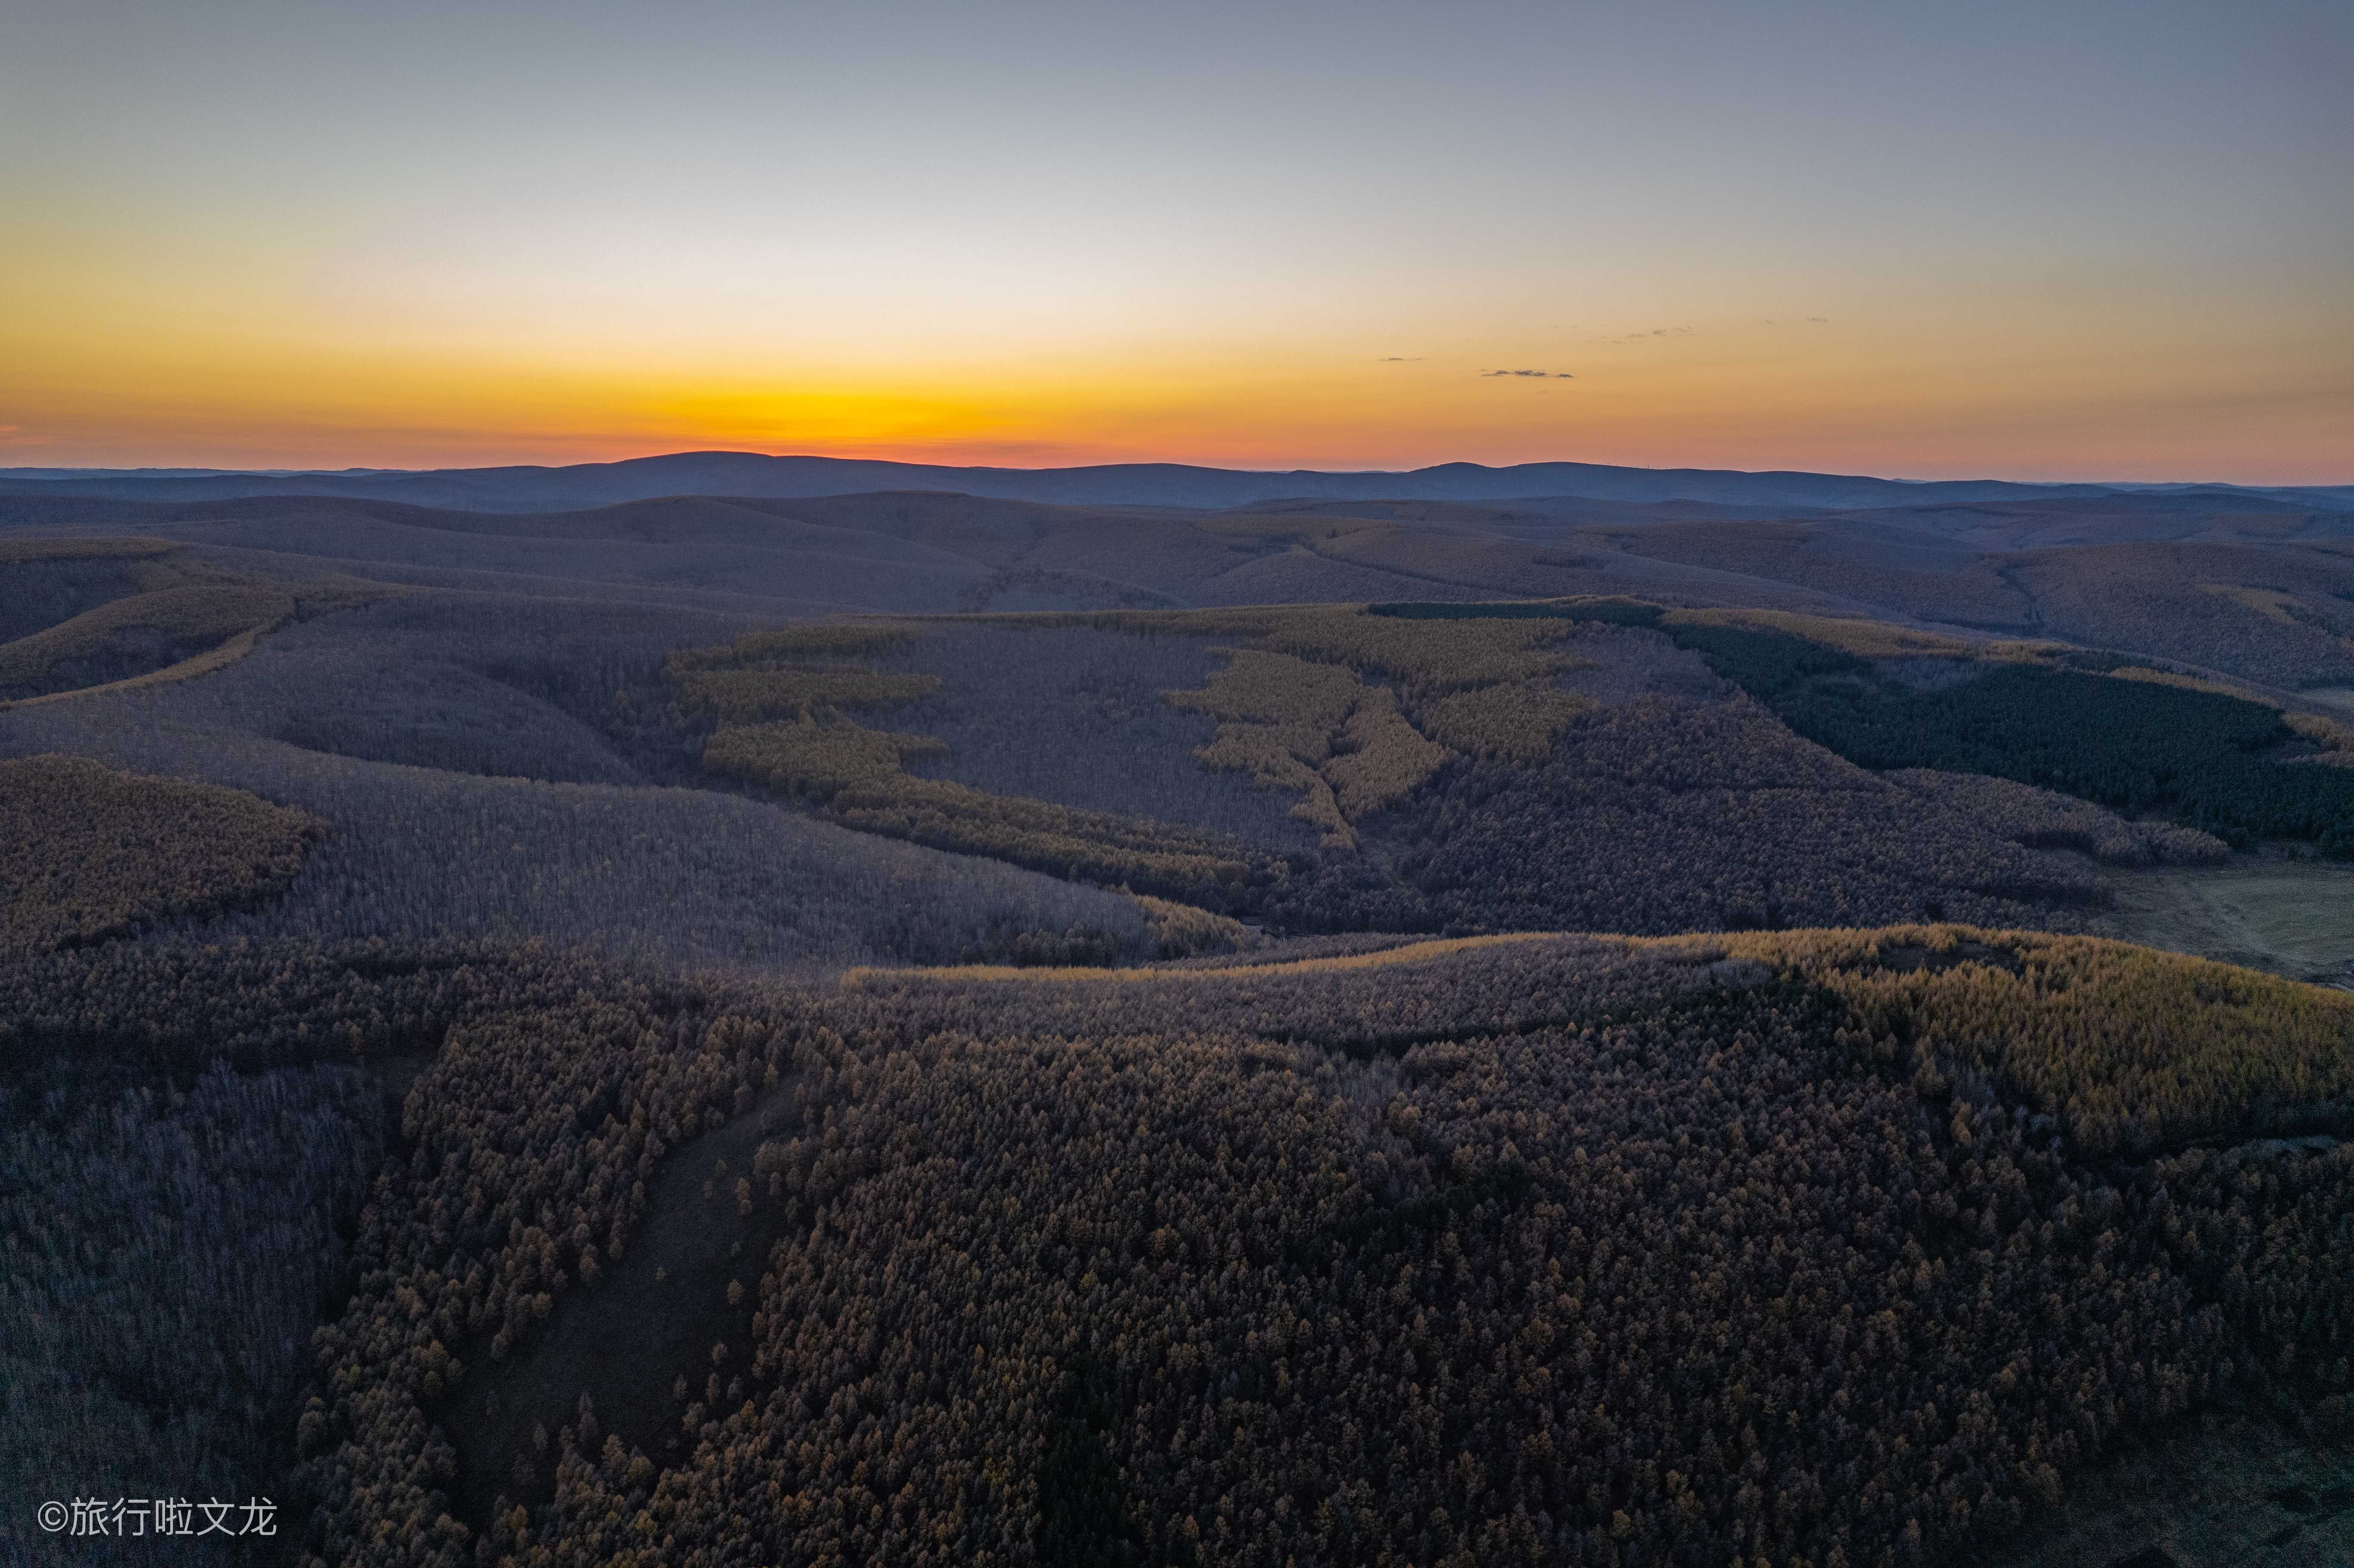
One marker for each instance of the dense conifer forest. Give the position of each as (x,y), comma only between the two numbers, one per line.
(1546,1250)
(653,1036)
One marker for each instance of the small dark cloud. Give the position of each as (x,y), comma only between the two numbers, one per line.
(1400,359)
(1533,375)
(1645,336)
(1825,320)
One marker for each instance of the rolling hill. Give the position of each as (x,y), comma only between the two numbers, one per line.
(927,1027)
(532,489)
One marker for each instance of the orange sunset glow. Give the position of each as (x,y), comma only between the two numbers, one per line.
(1252,268)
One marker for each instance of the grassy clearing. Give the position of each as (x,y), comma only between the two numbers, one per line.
(2239,1490)
(2286,917)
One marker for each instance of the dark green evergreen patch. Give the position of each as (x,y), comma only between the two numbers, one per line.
(1766,664)
(2134,747)
(2211,761)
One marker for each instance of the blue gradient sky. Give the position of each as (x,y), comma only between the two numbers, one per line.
(2062,240)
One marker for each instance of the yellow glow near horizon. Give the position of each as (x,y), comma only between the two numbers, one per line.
(378,238)
(1847,396)
(203,358)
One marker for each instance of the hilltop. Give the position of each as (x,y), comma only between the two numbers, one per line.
(537,489)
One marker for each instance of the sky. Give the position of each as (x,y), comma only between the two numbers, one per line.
(2018,238)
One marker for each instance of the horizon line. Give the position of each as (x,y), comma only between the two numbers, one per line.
(31,471)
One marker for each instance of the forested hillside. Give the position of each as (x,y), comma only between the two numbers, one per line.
(1680,1250)
(919,1028)
(87,854)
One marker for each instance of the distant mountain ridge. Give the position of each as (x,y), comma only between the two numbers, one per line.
(584,485)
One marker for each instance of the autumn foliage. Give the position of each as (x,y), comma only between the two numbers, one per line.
(88,852)
(1817,1247)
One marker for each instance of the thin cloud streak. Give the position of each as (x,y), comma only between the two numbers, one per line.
(1647,337)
